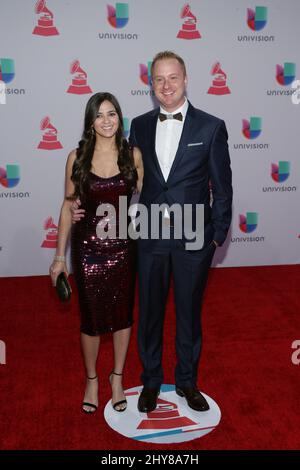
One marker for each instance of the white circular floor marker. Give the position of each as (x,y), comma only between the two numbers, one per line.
(172,421)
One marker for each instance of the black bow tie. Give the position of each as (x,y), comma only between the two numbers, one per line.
(163,117)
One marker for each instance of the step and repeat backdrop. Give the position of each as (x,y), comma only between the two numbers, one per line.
(243,61)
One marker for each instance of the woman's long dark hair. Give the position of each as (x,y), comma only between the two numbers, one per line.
(84,152)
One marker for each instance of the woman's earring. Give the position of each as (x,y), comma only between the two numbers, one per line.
(93,131)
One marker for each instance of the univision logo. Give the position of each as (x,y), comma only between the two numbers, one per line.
(9,178)
(118,17)
(252,128)
(257,19)
(7,74)
(280,172)
(285,75)
(145,73)
(7,70)
(248,222)
(145,77)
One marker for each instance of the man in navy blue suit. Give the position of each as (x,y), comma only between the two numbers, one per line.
(184,152)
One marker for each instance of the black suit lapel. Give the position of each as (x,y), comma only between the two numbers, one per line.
(152,132)
(187,132)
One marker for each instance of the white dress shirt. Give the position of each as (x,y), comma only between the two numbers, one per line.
(167,138)
(168,133)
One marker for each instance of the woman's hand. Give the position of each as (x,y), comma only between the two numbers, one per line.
(55,269)
(77,214)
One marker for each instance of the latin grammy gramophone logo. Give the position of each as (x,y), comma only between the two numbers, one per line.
(171,422)
(188,29)
(219,84)
(79,84)
(52,234)
(49,139)
(165,416)
(45,26)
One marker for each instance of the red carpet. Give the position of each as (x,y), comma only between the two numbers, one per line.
(251,317)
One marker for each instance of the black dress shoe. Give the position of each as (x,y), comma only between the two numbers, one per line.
(194,398)
(148,399)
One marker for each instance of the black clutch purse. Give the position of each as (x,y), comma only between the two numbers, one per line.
(63,287)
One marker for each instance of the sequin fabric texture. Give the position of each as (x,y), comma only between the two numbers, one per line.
(104,269)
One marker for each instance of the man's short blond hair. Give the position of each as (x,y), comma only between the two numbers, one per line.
(168,55)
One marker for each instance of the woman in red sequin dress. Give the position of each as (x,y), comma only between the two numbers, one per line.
(98,172)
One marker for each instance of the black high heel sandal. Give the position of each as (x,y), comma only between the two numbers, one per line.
(92,405)
(118,403)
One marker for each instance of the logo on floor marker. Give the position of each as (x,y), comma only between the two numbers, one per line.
(172,421)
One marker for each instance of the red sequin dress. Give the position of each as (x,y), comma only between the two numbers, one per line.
(104,268)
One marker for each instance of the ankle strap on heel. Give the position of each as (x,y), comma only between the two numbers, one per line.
(92,378)
(115,373)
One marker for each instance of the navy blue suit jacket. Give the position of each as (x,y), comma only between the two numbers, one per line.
(193,168)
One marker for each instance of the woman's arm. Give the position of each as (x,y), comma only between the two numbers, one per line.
(64,224)
(138,161)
